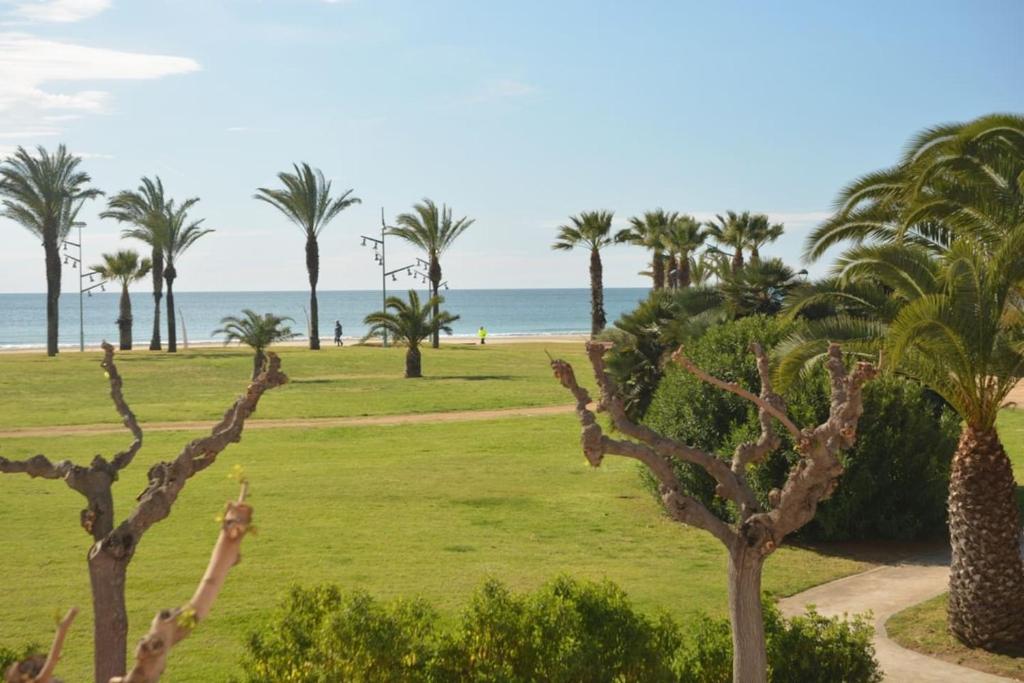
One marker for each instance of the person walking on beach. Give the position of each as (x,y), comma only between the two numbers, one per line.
(482,333)
(337,333)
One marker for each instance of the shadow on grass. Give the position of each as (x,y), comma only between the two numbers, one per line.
(922,553)
(468,378)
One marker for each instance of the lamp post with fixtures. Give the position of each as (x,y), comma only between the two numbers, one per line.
(380,256)
(83,289)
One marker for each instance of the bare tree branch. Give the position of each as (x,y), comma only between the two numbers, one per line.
(124,458)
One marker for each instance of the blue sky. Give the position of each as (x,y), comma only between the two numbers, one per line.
(515,113)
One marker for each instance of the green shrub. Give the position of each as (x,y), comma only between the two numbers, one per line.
(9,656)
(896,476)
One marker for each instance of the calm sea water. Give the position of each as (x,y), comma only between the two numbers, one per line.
(501,311)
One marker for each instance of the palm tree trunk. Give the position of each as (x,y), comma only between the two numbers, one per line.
(170,273)
(158,284)
(258,361)
(737,261)
(597,317)
(658,270)
(673,271)
(435,285)
(124,320)
(684,278)
(53,266)
(413,362)
(986,583)
(749,654)
(313,268)
(755,256)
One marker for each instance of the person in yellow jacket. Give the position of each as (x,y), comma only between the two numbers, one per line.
(482,333)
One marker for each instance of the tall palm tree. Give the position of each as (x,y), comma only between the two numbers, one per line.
(760,232)
(648,231)
(125,267)
(256,331)
(410,324)
(433,230)
(43,195)
(940,237)
(680,240)
(731,231)
(176,234)
(591,230)
(306,201)
(143,209)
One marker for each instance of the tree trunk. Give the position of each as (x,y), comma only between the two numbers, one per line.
(435,286)
(172,328)
(413,362)
(110,628)
(313,268)
(258,361)
(749,653)
(53,266)
(673,272)
(755,256)
(684,278)
(597,318)
(986,582)
(737,261)
(158,284)
(124,320)
(658,270)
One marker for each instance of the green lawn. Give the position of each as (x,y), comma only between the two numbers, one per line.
(408,510)
(353,380)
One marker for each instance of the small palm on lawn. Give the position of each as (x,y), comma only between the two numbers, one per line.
(681,239)
(256,331)
(143,209)
(125,267)
(43,194)
(410,323)
(432,230)
(176,234)
(306,201)
(647,231)
(590,230)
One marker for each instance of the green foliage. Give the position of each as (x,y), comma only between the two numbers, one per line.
(409,323)
(9,655)
(255,330)
(895,479)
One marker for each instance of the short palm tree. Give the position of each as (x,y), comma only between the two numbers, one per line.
(761,232)
(759,287)
(410,324)
(143,209)
(647,231)
(125,267)
(176,234)
(680,240)
(306,201)
(432,230)
(256,331)
(591,230)
(731,231)
(43,194)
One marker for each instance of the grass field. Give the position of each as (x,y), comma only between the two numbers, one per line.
(428,510)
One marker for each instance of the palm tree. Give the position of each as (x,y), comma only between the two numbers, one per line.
(256,331)
(680,240)
(760,232)
(940,257)
(730,231)
(759,287)
(591,229)
(125,267)
(176,234)
(432,230)
(43,194)
(306,201)
(143,209)
(410,324)
(648,231)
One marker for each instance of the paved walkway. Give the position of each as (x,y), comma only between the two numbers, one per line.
(885,591)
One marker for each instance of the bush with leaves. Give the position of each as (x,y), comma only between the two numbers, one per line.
(896,476)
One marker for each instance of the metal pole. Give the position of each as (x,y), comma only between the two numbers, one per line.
(81,288)
(383,272)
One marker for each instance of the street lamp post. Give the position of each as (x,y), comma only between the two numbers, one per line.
(76,263)
(380,256)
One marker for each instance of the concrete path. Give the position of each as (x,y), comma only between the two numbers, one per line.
(885,591)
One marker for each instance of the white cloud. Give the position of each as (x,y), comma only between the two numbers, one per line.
(62,11)
(29,64)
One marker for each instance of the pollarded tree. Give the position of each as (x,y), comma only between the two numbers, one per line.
(647,231)
(176,234)
(43,195)
(125,267)
(143,209)
(411,324)
(256,331)
(434,231)
(114,544)
(593,231)
(758,531)
(306,201)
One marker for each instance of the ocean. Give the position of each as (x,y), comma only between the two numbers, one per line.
(504,312)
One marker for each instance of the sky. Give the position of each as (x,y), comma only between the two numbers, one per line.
(516,114)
